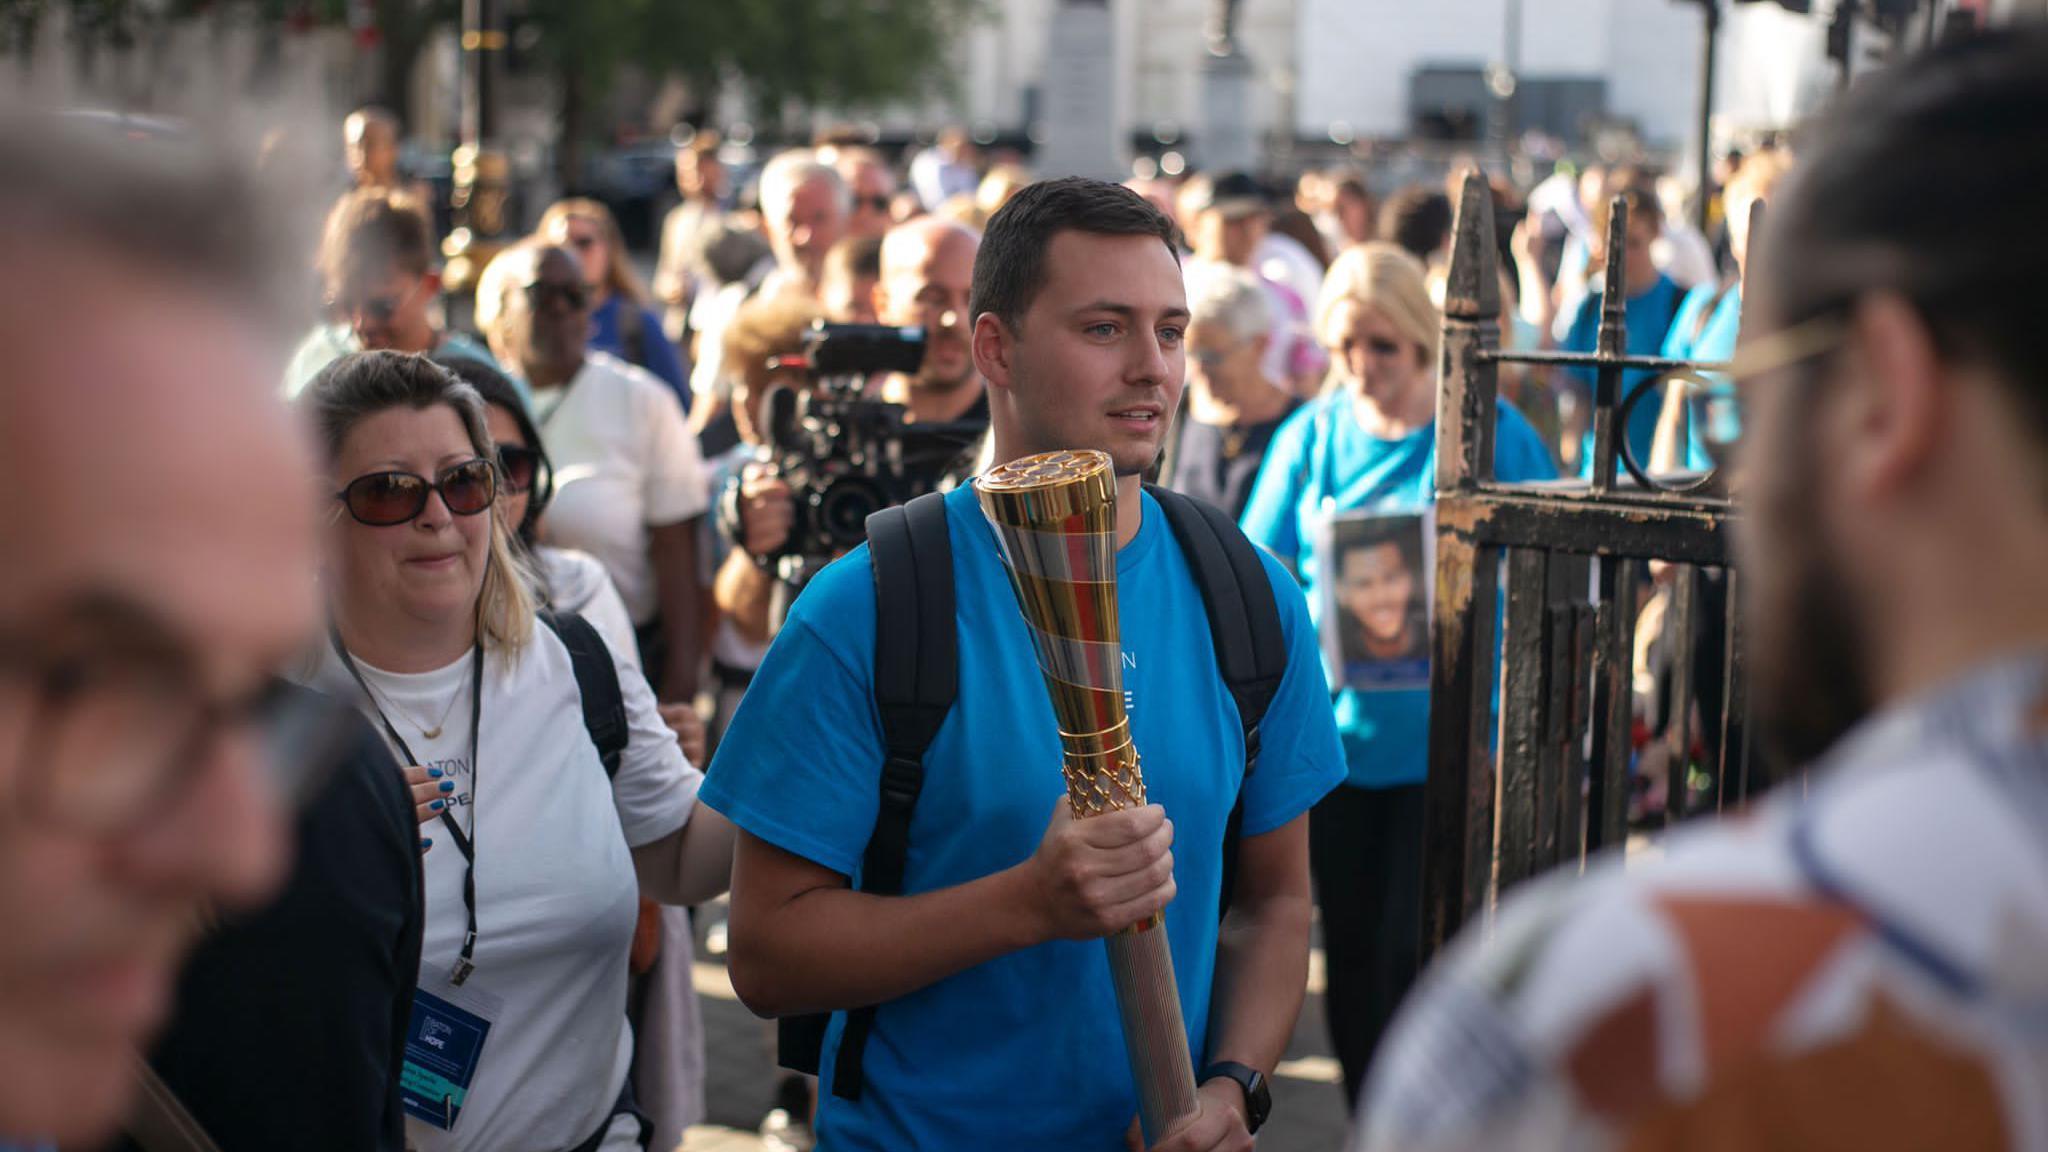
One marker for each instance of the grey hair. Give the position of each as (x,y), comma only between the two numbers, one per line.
(358,386)
(792,170)
(1233,299)
(153,194)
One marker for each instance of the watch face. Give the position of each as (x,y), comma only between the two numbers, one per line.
(1258,1101)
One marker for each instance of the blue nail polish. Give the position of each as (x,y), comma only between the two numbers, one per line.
(447,785)
(433,773)
(426,844)
(437,805)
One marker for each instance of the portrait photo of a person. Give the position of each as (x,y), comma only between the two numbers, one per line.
(1376,627)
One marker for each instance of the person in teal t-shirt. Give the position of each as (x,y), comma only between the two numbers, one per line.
(1710,319)
(998,1026)
(1652,301)
(1369,444)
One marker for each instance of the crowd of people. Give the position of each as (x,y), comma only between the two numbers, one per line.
(263,618)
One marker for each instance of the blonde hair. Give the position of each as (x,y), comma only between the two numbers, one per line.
(619,277)
(359,386)
(763,327)
(1385,278)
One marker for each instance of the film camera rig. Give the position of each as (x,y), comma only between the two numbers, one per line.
(844,454)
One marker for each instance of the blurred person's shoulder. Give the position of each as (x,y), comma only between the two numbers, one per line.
(641,389)
(1866,931)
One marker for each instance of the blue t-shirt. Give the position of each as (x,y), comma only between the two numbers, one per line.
(1323,462)
(1648,318)
(1698,334)
(655,353)
(1023,1051)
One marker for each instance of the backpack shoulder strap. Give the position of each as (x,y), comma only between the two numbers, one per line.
(597,681)
(1244,620)
(917,666)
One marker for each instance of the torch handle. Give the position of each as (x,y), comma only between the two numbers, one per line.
(1148,1001)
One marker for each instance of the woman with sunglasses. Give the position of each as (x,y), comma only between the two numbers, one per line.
(623,321)
(1368,443)
(668,1057)
(530,891)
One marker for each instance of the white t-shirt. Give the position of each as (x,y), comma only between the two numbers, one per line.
(578,583)
(556,893)
(624,461)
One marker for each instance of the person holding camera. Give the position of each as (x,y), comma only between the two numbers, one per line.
(989,966)
(927,273)
(629,478)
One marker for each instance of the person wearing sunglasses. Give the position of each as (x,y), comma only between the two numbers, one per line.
(1369,443)
(623,321)
(668,1056)
(630,485)
(1233,408)
(531,884)
(140,799)
(870,184)
(378,270)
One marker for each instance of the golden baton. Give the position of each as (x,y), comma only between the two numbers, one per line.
(1055,514)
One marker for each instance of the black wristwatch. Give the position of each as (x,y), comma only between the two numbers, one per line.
(1258,1101)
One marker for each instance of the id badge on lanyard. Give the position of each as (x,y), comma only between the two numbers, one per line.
(444,1044)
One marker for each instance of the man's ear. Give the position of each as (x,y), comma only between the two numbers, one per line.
(431,280)
(1898,408)
(993,350)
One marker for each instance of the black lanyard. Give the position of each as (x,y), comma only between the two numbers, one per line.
(465,842)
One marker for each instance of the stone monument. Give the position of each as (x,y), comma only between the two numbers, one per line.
(1080,95)
(1227,139)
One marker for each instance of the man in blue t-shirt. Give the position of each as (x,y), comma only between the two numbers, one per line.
(997,1025)
(1650,304)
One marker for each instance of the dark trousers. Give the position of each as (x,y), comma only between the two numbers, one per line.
(1365,850)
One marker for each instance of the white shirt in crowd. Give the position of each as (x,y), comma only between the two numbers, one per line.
(669,1058)
(624,461)
(556,893)
(577,582)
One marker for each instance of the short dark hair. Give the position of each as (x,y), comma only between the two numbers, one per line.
(1418,219)
(373,227)
(1926,181)
(1009,269)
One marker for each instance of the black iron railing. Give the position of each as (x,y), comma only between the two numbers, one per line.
(1532,733)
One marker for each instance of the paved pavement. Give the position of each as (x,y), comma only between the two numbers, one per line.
(1308,1106)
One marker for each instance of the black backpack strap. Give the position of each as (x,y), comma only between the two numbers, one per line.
(597,680)
(917,657)
(1244,620)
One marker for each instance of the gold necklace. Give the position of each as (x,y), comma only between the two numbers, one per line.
(433,733)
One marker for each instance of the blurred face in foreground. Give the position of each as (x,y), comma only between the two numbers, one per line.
(160,574)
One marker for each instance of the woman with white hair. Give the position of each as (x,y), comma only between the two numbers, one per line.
(1233,407)
(1368,443)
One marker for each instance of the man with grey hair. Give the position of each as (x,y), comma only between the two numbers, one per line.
(804,203)
(804,207)
(159,568)
(1233,407)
